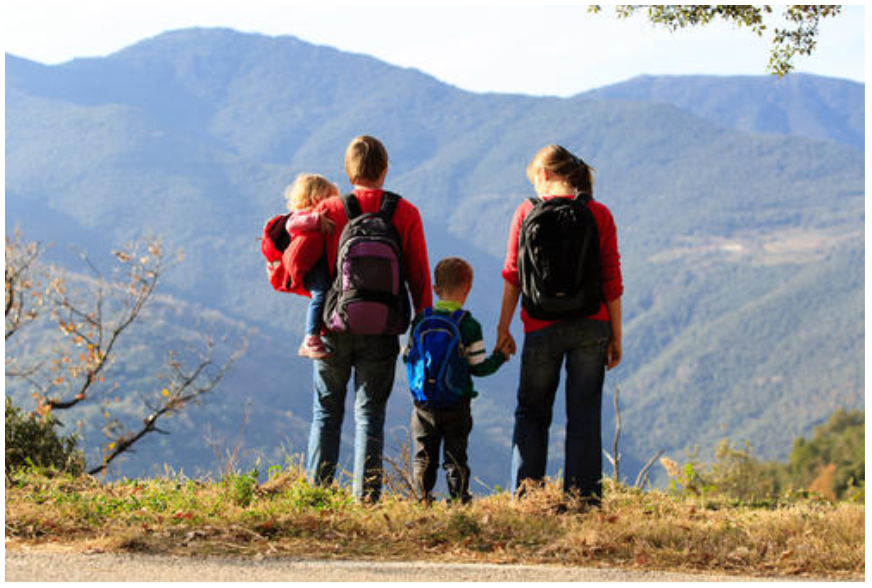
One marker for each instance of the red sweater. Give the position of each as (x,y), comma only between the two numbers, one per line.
(613,285)
(308,247)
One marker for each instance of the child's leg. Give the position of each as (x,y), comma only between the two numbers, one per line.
(456,426)
(317,281)
(425,452)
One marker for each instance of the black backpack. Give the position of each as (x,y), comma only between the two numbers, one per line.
(369,294)
(559,259)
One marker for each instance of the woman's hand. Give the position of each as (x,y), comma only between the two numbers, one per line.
(613,354)
(327,225)
(505,342)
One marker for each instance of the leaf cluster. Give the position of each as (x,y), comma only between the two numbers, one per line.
(797,36)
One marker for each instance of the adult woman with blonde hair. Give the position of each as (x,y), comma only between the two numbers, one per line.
(586,336)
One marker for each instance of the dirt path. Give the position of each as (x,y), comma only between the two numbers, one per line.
(53,566)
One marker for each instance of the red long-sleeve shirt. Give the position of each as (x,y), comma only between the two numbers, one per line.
(613,285)
(308,247)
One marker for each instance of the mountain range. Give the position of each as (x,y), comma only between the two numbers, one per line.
(739,203)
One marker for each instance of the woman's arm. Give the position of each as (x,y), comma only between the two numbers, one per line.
(613,357)
(505,341)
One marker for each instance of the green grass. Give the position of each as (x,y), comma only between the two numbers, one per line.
(288,516)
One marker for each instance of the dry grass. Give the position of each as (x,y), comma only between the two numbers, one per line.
(287,516)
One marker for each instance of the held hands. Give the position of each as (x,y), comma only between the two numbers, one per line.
(505,342)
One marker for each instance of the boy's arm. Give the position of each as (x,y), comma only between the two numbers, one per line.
(488,366)
(480,364)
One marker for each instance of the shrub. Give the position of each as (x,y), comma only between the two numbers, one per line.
(242,487)
(32,440)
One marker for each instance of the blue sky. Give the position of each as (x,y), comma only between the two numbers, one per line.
(556,50)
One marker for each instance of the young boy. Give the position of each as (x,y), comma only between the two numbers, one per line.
(445,416)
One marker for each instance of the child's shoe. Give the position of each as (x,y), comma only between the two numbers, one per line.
(313,348)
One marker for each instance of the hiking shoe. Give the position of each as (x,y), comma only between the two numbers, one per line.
(313,348)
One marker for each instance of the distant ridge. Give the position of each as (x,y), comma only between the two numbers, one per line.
(804,105)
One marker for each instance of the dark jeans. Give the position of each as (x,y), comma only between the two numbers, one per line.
(449,427)
(373,360)
(582,344)
(317,282)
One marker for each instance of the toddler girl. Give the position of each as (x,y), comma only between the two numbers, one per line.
(302,197)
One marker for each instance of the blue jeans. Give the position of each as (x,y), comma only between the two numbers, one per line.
(317,282)
(373,359)
(582,344)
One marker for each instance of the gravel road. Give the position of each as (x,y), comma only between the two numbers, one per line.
(51,566)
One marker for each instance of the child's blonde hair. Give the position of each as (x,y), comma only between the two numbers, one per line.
(308,190)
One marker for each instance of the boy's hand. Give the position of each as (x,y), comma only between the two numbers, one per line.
(327,225)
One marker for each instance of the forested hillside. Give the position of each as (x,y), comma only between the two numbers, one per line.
(742,240)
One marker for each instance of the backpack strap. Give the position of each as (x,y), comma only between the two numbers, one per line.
(457,316)
(389,204)
(534,200)
(351,205)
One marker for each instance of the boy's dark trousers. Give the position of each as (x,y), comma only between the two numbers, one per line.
(449,427)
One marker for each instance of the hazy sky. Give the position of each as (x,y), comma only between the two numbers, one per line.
(544,50)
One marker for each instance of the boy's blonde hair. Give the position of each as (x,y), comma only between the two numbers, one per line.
(366,159)
(451,274)
(308,190)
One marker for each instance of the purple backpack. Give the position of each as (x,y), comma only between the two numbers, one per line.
(369,294)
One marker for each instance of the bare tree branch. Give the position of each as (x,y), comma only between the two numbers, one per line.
(184,388)
(642,478)
(93,312)
(23,288)
(617,455)
(93,330)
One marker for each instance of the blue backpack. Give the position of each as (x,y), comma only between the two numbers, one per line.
(435,365)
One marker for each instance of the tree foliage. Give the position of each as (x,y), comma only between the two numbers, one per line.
(92,314)
(831,465)
(35,441)
(795,35)
(835,458)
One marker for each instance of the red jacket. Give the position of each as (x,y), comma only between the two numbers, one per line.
(613,285)
(306,248)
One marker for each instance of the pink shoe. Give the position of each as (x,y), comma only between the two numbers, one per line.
(313,348)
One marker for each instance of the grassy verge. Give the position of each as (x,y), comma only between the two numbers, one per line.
(287,516)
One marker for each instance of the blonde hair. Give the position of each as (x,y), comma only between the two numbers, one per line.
(365,159)
(308,190)
(560,162)
(452,273)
